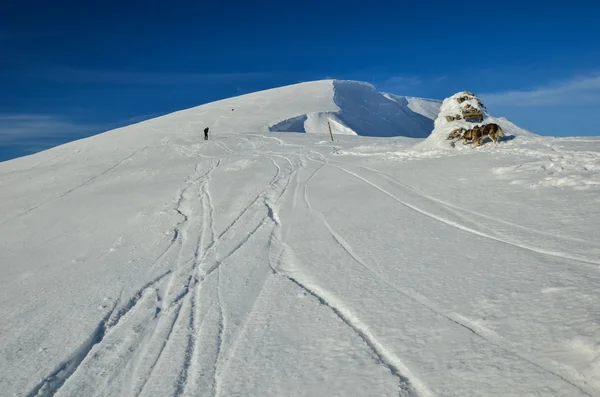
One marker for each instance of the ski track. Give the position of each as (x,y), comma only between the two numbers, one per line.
(450,206)
(216,268)
(192,286)
(196,231)
(191,338)
(219,341)
(184,380)
(586,262)
(271,216)
(160,352)
(182,230)
(405,386)
(254,201)
(218,263)
(455,318)
(379,352)
(199,257)
(48,160)
(113,321)
(50,385)
(386,359)
(70,190)
(223,146)
(361,330)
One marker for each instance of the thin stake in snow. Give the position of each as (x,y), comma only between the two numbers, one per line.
(330,133)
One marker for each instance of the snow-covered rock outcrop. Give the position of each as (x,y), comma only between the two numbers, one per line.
(463,110)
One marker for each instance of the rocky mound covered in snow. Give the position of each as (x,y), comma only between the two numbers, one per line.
(462,112)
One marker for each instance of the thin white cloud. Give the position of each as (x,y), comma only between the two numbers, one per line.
(575,92)
(66,74)
(413,85)
(143,117)
(398,84)
(16,128)
(403,81)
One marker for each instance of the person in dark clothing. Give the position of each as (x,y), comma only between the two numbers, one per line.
(206,134)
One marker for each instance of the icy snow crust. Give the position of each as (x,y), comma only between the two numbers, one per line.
(148,262)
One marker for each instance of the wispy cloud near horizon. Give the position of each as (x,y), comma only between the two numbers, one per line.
(91,76)
(404,80)
(411,84)
(16,128)
(578,91)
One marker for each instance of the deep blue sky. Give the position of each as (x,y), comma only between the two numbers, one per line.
(71,69)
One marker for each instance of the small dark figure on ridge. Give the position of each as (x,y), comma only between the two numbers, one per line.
(206,134)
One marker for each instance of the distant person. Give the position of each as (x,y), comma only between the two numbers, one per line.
(206,134)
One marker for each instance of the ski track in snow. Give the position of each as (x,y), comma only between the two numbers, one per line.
(183,381)
(192,283)
(449,206)
(191,291)
(86,182)
(452,317)
(586,261)
(383,357)
(52,384)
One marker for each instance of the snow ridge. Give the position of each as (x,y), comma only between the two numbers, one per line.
(362,110)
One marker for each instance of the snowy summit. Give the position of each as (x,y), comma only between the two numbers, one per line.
(268,260)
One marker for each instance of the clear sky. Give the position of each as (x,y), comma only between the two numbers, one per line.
(71,69)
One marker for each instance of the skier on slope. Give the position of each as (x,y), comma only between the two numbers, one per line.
(206,134)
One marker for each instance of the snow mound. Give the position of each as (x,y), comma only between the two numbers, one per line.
(464,110)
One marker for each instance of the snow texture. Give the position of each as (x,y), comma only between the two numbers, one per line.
(428,108)
(146,261)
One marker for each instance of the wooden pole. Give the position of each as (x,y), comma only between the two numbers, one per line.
(330,133)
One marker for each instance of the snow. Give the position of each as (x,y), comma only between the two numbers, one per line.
(148,262)
(425,107)
(359,109)
(451,107)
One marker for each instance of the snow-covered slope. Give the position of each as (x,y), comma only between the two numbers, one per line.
(148,262)
(360,110)
(425,107)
